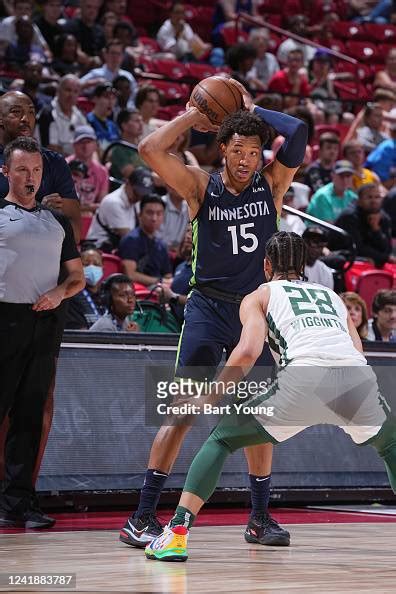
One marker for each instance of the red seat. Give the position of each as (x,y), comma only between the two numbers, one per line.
(200,71)
(370,282)
(348,30)
(363,71)
(364,51)
(348,91)
(231,37)
(111,264)
(85,104)
(380,33)
(173,92)
(169,68)
(150,45)
(169,112)
(85,225)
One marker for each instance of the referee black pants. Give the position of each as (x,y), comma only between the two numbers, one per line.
(28,346)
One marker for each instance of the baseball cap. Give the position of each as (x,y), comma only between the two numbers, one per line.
(103,88)
(82,132)
(322,56)
(343,166)
(141,179)
(315,234)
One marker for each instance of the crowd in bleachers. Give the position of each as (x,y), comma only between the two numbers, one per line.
(107,71)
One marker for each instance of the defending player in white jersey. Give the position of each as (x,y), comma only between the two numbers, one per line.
(323,378)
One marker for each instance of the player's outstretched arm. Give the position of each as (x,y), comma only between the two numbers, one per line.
(155,149)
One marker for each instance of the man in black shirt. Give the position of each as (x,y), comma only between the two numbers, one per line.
(318,174)
(86,30)
(36,243)
(369,226)
(47,22)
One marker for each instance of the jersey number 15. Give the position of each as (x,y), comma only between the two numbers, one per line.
(251,237)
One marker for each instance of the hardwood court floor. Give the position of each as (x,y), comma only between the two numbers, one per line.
(323,559)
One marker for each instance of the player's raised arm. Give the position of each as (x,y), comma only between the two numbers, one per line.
(155,149)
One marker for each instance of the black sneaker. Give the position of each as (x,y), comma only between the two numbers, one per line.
(35,518)
(31,519)
(262,529)
(11,520)
(140,531)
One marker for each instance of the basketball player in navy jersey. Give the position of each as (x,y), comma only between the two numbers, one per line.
(233,214)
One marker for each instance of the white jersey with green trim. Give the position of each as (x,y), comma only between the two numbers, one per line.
(307,325)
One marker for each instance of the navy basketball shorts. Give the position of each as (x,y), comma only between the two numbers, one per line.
(211,326)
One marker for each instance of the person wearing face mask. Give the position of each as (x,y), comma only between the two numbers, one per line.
(86,307)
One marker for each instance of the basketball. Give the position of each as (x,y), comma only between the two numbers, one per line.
(216,97)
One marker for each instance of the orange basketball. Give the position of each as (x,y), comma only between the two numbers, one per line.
(216,97)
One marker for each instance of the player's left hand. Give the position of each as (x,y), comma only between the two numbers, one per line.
(201,122)
(53,201)
(49,300)
(246,96)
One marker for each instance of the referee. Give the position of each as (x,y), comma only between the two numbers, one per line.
(35,242)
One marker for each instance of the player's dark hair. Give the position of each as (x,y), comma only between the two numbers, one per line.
(287,253)
(383,298)
(243,123)
(23,143)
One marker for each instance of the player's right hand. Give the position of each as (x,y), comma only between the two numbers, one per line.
(201,122)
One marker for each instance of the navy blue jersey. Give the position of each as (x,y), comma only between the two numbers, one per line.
(229,236)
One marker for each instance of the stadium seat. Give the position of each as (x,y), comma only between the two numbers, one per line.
(363,71)
(85,225)
(111,264)
(150,45)
(380,33)
(169,112)
(173,92)
(364,51)
(169,68)
(85,104)
(352,91)
(371,281)
(199,71)
(230,36)
(348,30)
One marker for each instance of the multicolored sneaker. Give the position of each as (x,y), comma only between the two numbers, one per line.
(139,531)
(264,530)
(171,545)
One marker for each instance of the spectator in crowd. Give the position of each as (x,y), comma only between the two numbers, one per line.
(382,159)
(48,23)
(18,118)
(370,134)
(177,37)
(383,325)
(175,220)
(124,159)
(113,56)
(67,58)
(323,93)
(357,309)
(119,294)
(79,172)
(389,206)
(127,35)
(315,270)
(386,99)
(372,11)
(290,81)
(86,307)
(124,95)
(148,101)
(368,225)
(86,30)
(100,117)
(176,294)
(144,257)
(24,49)
(92,188)
(319,173)
(265,64)
(8,26)
(353,151)
(227,10)
(58,122)
(119,8)
(330,200)
(34,253)
(118,212)
(386,79)
(32,75)
(240,58)
(290,222)
(108,22)
(297,24)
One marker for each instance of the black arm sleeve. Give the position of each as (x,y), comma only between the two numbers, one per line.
(69,247)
